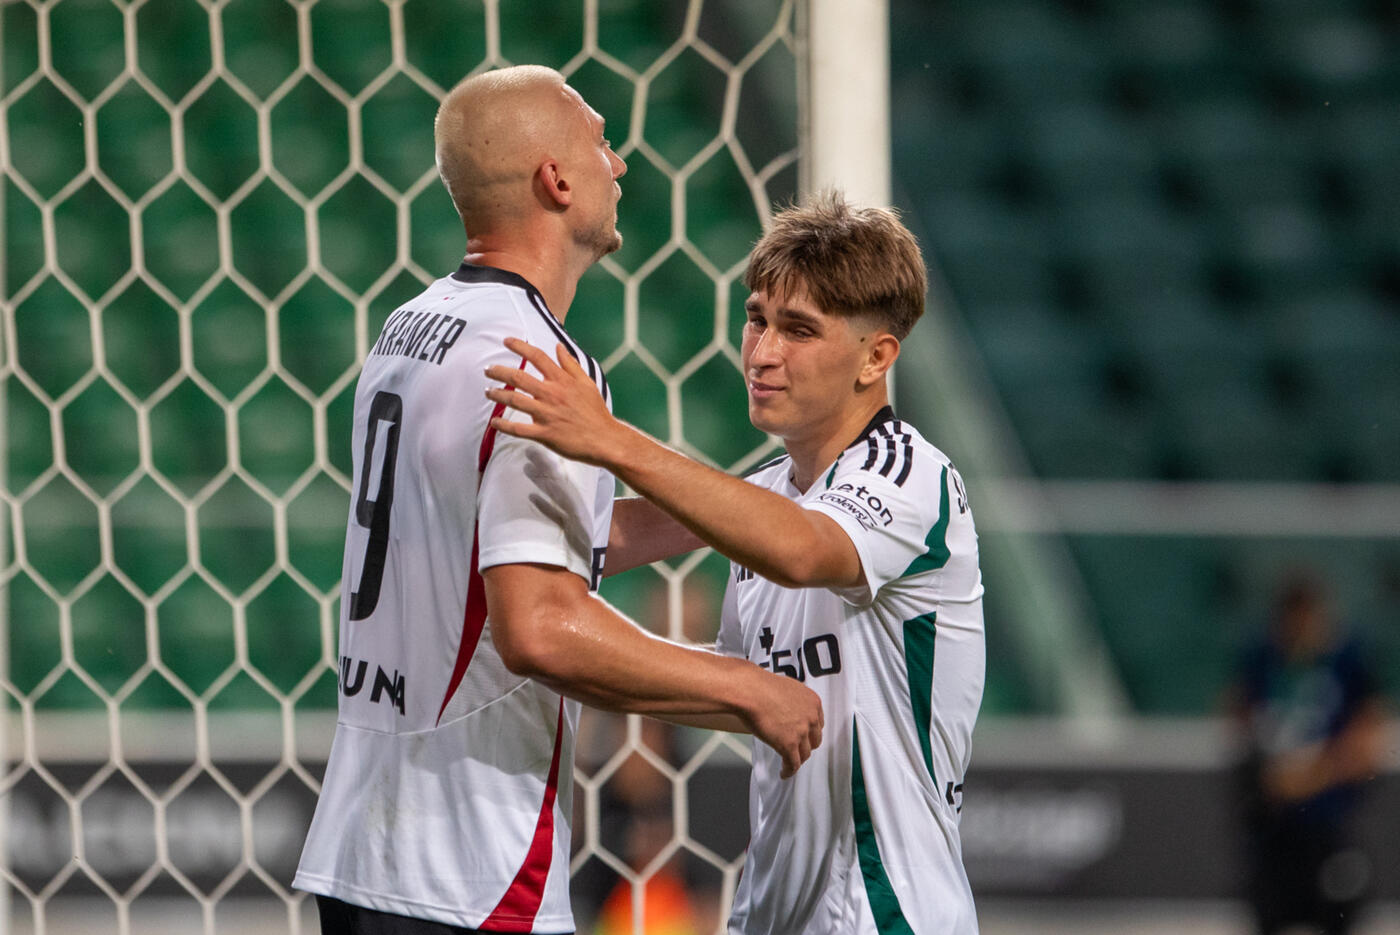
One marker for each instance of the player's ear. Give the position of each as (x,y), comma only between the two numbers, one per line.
(551,187)
(880,355)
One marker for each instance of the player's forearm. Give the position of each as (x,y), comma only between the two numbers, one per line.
(612,664)
(1358,752)
(643,533)
(766,533)
(1353,756)
(546,626)
(616,666)
(724,722)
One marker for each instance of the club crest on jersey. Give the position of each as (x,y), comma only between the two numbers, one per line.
(385,687)
(868,509)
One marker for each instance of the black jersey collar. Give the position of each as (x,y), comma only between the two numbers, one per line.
(471,272)
(886,414)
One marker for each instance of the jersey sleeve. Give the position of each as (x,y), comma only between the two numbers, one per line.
(897,522)
(534,505)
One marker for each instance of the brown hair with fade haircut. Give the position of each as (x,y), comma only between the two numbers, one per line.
(848,260)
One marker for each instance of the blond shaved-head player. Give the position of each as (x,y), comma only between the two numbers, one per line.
(469,630)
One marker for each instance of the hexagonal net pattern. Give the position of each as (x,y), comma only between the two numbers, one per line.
(209,208)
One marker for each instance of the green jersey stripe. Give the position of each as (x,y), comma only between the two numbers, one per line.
(884,904)
(919,635)
(936,541)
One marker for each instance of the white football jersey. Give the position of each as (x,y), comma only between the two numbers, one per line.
(864,838)
(448,792)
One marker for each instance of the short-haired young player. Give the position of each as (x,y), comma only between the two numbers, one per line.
(468,629)
(855,570)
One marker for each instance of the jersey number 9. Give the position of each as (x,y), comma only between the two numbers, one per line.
(385,415)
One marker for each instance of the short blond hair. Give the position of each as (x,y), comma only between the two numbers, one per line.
(490,131)
(847,260)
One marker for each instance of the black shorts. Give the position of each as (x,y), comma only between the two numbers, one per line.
(341,918)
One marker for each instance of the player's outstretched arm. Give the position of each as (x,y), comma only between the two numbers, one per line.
(760,530)
(643,533)
(547,626)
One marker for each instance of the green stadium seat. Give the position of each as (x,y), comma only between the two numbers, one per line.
(1163,56)
(1183,33)
(1026,343)
(1069,393)
(952,147)
(1363,144)
(1282,249)
(1324,322)
(1160,607)
(1349,346)
(1237,152)
(1132,250)
(1329,50)
(1231,413)
(987,250)
(1070,431)
(1169,41)
(1028,53)
(1084,150)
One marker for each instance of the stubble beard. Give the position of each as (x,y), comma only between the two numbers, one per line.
(601,239)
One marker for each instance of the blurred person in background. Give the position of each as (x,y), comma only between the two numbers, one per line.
(636,813)
(1312,724)
(636,801)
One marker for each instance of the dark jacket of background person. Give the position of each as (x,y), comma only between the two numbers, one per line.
(1309,710)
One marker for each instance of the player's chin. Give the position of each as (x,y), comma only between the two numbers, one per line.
(608,243)
(763,418)
(600,240)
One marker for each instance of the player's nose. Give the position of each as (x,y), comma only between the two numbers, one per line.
(764,351)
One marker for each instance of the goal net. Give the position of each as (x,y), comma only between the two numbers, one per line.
(209,208)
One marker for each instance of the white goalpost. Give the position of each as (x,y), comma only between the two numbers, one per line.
(846,108)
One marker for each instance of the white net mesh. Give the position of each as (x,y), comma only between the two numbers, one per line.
(208,210)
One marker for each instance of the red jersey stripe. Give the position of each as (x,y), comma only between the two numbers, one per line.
(517,909)
(474,617)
